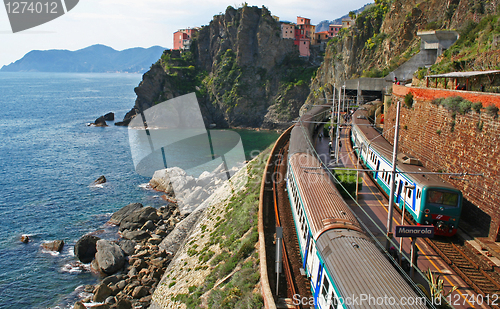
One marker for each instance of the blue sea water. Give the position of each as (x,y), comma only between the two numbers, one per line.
(49,159)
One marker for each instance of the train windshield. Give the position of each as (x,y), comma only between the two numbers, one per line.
(442,197)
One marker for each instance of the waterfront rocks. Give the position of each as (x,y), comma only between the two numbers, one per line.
(127,246)
(85,248)
(137,218)
(102,292)
(56,245)
(109,257)
(100,122)
(100,180)
(109,116)
(189,192)
(121,214)
(135,235)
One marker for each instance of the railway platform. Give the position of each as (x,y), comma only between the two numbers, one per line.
(372,210)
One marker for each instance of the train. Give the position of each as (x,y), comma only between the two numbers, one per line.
(344,266)
(427,198)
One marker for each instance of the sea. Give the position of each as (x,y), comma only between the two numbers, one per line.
(49,159)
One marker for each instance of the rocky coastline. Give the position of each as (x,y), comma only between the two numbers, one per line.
(133,265)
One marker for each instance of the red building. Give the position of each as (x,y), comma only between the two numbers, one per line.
(182,38)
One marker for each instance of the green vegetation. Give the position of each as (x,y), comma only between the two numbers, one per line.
(476,49)
(236,236)
(492,110)
(457,104)
(347,180)
(409,100)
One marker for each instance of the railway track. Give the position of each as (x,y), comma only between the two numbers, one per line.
(473,269)
(478,276)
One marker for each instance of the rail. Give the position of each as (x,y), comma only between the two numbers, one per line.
(267,295)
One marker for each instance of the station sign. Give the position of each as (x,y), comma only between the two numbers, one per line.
(415,231)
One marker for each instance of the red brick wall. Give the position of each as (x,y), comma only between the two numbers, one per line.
(426,132)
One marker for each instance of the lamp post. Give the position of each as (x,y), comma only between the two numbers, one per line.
(357,170)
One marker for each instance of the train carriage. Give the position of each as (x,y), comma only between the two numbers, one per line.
(428,198)
(345,268)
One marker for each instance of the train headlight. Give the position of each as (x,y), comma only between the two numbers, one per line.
(427,222)
(440,225)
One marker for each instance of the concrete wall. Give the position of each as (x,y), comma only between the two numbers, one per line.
(473,145)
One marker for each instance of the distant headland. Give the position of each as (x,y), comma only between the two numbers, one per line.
(93,59)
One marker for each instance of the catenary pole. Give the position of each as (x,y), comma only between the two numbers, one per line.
(393,178)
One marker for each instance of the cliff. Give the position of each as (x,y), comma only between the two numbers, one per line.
(243,72)
(385,36)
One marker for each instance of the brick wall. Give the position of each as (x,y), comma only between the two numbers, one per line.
(426,132)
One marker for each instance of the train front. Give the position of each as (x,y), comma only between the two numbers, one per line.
(442,208)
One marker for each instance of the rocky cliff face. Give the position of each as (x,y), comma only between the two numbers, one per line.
(385,36)
(243,72)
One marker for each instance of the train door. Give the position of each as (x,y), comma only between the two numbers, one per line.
(377,168)
(317,285)
(398,195)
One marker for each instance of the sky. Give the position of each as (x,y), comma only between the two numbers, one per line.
(123,24)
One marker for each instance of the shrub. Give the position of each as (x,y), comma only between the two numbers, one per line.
(409,100)
(492,110)
(477,107)
(464,106)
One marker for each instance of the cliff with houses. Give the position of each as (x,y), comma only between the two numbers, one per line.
(242,70)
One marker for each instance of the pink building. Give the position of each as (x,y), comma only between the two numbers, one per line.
(182,38)
(333,30)
(287,31)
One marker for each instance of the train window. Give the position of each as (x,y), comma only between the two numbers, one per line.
(441,197)
(326,287)
(389,179)
(409,193)
(334,302)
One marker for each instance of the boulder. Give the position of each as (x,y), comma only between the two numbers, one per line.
(148,226)
(100,180)
(101,293)
(109,116)
(109,257)
(137,218)
(127,246)
(123,304)
(100,122)
(79,305)
(121,214)
(140,291)
(85,248)
(25,239)
(135,235)
(56,245)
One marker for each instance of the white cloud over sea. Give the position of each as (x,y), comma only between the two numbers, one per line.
(124,24)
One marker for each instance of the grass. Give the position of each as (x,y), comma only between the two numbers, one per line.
(235,234)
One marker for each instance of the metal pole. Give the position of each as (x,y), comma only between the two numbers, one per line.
(279,236)
(393,178)
(357,175)
(337,135)
(413,249)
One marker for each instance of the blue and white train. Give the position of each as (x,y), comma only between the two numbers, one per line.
(431,199)
(345,268)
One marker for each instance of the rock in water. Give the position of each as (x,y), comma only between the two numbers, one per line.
(79,305)
(121,214)
(100,122)
(127,246)
(85,248)
(25,239)
(137,218)
(100,180)
(109,257)
(109,117)
(56,245)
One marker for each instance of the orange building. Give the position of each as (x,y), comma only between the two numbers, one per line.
(182,38)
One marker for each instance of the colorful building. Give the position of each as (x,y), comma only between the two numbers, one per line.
(347,22)
(182,38)
(333,30)
(287,30)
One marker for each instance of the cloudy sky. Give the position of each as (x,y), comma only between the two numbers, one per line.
(123,24)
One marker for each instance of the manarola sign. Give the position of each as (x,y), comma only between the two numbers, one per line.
(28,14)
